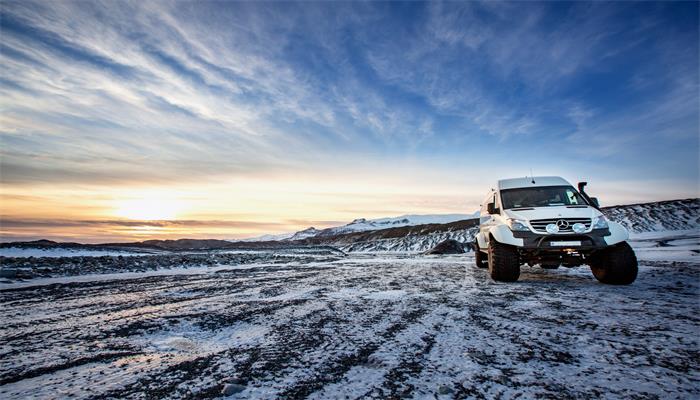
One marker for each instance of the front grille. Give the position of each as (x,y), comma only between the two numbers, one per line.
(540,225)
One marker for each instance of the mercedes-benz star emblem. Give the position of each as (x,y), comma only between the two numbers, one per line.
(562,224)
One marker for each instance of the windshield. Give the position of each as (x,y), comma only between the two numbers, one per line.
(544,196)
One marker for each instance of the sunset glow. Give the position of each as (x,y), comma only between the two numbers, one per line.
(149,208)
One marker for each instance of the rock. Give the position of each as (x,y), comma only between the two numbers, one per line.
(449,246)
(8,273)
(444,389)
(232,388)
(233,380)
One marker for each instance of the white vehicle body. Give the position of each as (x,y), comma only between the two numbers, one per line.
(496,225)
(545,221)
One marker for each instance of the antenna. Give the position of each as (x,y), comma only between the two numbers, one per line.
(532,176)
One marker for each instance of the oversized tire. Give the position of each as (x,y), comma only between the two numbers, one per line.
(504,265)
(616,265)
(480,259)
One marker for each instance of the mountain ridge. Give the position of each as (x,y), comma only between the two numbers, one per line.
(364,224)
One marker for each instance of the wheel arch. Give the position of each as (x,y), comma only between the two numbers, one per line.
(502,234)
(618,233)
(481,242)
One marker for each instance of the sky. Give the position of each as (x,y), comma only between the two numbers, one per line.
(136,120)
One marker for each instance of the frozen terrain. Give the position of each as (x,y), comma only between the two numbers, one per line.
(671,215)
(61,252)
(357,326)
(408,243)
(23,268)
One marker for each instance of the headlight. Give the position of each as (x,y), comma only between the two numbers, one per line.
(600,222)
(517,225)
(579,227)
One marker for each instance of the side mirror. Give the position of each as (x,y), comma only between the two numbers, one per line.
(491,208)
(595,202)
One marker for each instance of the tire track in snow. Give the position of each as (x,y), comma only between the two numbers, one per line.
(366,327)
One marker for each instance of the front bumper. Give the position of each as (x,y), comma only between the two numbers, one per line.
(590,241)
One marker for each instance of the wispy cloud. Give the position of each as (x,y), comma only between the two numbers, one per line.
(150,93)
(132,91)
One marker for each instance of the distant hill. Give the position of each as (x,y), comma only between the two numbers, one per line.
(406,238)
(671,215)
(363,225)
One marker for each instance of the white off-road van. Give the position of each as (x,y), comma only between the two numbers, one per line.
(544,220)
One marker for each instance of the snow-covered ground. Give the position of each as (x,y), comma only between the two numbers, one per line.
(62,252)
(658,216)
(408,243)
(362,326)
(681,245)
(21,269)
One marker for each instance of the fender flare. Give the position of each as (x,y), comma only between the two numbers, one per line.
(481,241)
(503,234)
(618,233)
